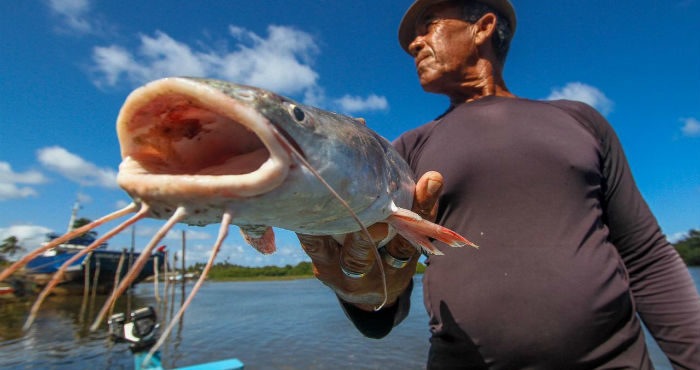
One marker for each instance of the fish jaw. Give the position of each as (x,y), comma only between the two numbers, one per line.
(184,143)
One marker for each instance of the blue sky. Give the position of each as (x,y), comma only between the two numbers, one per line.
(68,65)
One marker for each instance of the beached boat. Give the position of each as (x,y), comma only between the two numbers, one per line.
(98,268)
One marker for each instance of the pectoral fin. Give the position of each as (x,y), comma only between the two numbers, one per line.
(260,237)
(418,231)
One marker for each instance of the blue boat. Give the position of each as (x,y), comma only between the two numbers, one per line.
(100,265)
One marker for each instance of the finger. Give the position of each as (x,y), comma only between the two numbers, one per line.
(428,190)
(319,248)
(400,248)
(425,203)
(378,231)
(356,254)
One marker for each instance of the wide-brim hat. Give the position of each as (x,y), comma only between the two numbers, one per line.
(408,23)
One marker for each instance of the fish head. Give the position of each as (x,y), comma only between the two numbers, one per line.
(200,143)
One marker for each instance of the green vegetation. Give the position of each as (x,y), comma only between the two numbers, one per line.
(689,248)
(227,271)
(420,268)
(9,247)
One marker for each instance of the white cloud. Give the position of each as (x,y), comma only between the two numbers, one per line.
(149,230)
(12,191)
(352,104)
(10,180)
(691,127)
(676,237)
(29,236)
(189,235)
(114,62)
(75,168)
(238,253)
(84,198)
(281,61)
(74,14)
(585,93)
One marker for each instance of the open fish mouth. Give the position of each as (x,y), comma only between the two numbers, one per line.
(182,138)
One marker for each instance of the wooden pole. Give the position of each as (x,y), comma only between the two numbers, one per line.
(86,286)
(155,277)
(94,288)
(131,263)
(117,277)
(184,241)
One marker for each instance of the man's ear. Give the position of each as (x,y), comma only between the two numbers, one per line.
(485,27)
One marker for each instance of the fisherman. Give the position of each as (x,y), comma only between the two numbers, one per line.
(571,262)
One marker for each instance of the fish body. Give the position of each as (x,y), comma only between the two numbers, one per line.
(213,147)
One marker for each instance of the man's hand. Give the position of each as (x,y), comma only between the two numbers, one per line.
(350,269)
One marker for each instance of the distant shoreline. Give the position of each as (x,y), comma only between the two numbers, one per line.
(260,278)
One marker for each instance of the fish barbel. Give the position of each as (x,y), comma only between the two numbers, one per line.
(202,151)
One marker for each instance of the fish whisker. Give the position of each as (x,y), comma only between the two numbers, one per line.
(56,279)
(131,208)
(223,233)
(177,216)
(305,163)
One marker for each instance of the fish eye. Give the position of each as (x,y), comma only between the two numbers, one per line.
(298,113)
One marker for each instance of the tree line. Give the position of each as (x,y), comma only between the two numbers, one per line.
(226,271)
(688,248)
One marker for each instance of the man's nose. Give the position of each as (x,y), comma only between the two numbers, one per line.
(416,45)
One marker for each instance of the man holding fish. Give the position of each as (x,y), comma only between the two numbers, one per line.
(572,261)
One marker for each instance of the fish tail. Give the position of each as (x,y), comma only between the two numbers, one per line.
(418,231)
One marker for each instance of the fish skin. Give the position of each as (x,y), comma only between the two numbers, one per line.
(212,147)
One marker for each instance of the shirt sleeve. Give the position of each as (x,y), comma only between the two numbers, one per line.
(378,324)
(664,293)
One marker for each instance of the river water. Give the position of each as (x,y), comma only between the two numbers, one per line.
(267,325)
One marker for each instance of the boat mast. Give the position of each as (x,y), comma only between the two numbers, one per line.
(73,215)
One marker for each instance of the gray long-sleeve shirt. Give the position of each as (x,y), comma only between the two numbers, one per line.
(570,252)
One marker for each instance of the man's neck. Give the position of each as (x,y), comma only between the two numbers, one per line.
(484,80)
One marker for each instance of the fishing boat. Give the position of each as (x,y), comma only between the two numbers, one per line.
(97,268)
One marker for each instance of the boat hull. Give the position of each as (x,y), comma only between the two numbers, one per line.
(103,266)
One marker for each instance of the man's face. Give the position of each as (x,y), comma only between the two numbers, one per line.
(444,48)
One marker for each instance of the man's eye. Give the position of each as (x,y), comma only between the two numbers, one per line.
(430,23)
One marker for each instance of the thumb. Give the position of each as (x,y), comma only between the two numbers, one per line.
(427,193)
